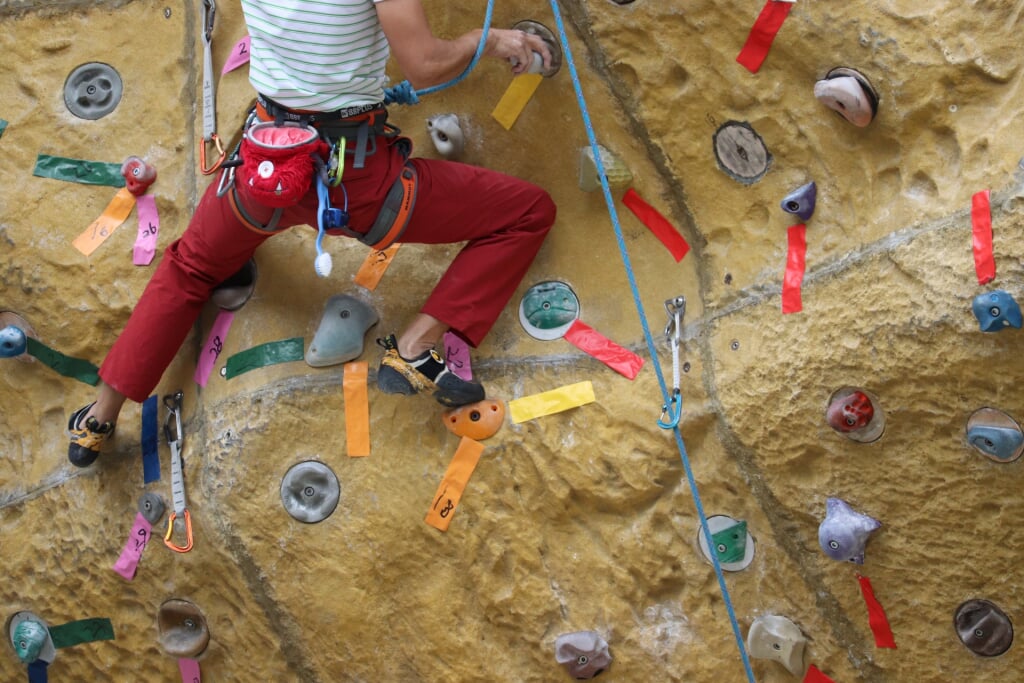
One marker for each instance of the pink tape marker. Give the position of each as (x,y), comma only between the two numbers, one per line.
(189,669)
(128,563)
(456,356)
(239,56)
(149,228)
(213,346)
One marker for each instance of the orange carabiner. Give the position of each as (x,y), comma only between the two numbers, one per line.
(188,533)
(215,139)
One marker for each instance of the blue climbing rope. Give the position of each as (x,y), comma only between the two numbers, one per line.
(404,93)
(567,52)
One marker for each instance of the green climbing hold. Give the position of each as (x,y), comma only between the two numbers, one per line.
(260,356)
(731,543)
(79,171)
(82,631)
(75,368)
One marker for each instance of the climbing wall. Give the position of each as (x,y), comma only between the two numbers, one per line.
(839,393)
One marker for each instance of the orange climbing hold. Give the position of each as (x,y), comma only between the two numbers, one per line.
(478,421)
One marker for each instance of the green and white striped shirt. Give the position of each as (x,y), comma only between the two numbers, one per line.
(320,55)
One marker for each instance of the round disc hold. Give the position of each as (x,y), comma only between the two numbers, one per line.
(182,628)
(742,548)
(741,152)
(983,628)
(310,491)
(93,90)
(548,309)
(538,29)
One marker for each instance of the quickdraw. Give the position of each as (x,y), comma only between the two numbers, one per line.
(209,98)
(175,439)
(673,410)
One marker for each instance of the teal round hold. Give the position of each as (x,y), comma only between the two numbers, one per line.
(13,342)
(548,309)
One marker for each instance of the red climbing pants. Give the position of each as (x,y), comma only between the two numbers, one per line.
(502,219)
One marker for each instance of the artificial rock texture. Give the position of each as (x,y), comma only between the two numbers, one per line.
(585,519)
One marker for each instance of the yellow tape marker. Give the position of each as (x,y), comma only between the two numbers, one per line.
(551,402)
(512,103)
(103,227)
(357,409)
(467,455)
(372,270)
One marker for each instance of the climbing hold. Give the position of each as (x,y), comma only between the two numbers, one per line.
(996,310)
(848,92)
(182,629)
(31,638)
(310,491)
(855,414)
(995,435)
(548,309)
(478,421)
(537,66)
(983,628)
(844,532)
(339,337)
(801,201)
(234,292)
(152,507)
(615,170)
(741,152)
(584,654)
(734,546)
(92,90)
(12,342)
(446,134)
(12,319)
(138,175)
(779,639)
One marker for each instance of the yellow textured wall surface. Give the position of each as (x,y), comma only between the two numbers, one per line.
(582,520)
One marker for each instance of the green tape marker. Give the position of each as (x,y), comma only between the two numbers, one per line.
(731,543)
(75,368)
(3,127)
(263,355)
(79,171)
(81,631)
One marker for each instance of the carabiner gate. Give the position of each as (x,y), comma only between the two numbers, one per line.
(170,531)
(674,410)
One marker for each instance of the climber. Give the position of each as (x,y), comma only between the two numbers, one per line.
(323,65)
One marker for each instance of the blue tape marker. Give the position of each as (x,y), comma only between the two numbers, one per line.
(150,443)
(37,672)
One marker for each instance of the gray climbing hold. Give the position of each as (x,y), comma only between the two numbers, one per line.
(983,628)
(801,201)
(340,335)
(310,491)
(778,639)
(182,629)
(92,90)
(446,133)
(152,507)
(584,654)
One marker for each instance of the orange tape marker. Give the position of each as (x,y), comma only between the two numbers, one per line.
(373,267)
(467,455)
(357,409)
(103,227)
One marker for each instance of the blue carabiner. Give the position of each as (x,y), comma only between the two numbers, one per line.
(674,414)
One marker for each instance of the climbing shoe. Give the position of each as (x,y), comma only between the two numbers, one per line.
(87,435)
(426,372)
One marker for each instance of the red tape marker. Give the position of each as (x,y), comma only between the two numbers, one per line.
(657,224)
(795,265)
(981,218)
(768,23)
(876,616)
(622,361)
(814,675)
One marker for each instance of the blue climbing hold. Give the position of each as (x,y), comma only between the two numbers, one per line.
(801,201)
(996,310)
(1001,443)
(12,342)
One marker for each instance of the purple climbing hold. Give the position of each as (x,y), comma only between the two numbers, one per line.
(584,654)
(844,532)
(801,201)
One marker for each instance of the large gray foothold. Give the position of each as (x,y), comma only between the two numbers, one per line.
(343,326)
(152,507)
(310,491)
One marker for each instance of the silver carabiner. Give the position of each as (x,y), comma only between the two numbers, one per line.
(676,309)
(209,13)
(673,410)
(172,402)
